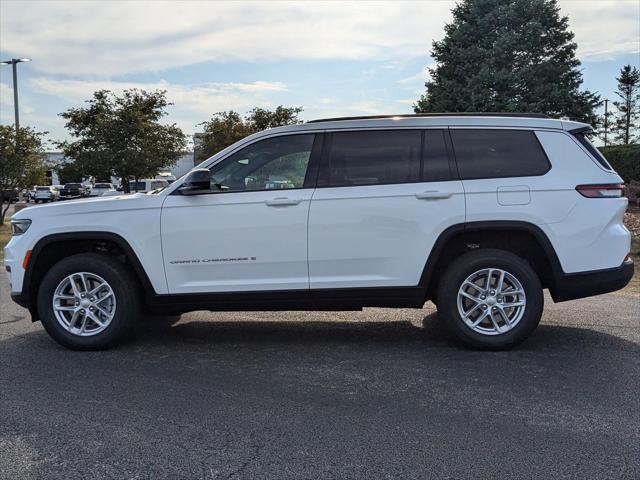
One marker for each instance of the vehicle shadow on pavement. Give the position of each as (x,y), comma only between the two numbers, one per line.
(169,332)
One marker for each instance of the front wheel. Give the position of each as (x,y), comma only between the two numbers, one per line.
(490,299)
(88,301)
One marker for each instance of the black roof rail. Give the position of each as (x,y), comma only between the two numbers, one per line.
(418,115)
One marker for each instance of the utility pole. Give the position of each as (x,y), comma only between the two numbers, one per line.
(14,63)
(606,120)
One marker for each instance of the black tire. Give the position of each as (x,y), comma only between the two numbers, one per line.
(121,281)
(474,261)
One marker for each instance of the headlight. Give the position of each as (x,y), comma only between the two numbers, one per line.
(18,227)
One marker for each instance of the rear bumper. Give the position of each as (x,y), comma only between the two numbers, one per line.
(569,286)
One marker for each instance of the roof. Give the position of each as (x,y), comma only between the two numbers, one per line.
(413,115)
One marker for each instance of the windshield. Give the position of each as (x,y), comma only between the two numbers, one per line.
(42,189)
(102,185)
(72,185)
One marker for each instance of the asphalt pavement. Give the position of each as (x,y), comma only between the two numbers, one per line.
(351,395)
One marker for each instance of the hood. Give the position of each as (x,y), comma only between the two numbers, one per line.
(95,205)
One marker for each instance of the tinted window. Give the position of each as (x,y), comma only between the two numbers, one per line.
(498,153)
(435,158)
(137,186)
(271,164)
(374,157)
(582,138)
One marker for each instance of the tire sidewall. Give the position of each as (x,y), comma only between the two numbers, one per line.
(118,279)
(490,258)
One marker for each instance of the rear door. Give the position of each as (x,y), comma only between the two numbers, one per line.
(251,233)
(383,198)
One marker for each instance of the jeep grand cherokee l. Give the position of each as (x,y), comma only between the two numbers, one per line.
(478,214)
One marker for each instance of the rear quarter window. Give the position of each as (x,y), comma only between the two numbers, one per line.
(496,153)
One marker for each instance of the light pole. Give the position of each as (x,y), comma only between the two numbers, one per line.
(14,63)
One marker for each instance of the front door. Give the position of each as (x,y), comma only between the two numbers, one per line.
(250,233)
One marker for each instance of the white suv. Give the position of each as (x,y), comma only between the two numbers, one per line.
(476,213)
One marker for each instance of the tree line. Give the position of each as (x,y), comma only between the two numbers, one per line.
(496,56)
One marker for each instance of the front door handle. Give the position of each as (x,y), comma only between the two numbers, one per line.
(282,202)
(433,195)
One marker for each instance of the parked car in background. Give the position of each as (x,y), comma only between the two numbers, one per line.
(100,189)
(73,190)
(46,194)
(145,185)
(168,176)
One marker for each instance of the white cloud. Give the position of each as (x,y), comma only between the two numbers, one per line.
(203,99)
(104,39)
(107,39)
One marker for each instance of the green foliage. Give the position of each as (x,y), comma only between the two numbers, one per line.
(625,159)
(22,162)
(626,120)
(226,128)
(507,56)
(121,136)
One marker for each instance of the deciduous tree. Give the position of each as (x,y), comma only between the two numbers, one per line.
(22,162)
(226,128)
(121,135)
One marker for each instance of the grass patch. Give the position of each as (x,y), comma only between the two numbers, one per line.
(5,236)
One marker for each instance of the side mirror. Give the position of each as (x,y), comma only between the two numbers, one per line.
(198,181)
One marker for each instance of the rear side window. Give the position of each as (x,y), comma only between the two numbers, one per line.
(498,153)
(595,153)
(374,157)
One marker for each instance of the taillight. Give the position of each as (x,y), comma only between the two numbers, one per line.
(610,190)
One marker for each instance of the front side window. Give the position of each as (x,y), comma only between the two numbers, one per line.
(374,157)
(276,163)
(498,153)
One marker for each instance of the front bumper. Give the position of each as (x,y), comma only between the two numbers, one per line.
(569,286)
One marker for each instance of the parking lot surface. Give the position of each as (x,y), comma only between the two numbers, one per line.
(373,394)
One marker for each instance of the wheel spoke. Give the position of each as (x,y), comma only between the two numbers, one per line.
(104,312)
(83,325)
(500,282)
(74,319)
(480,318)
(97,289)
(494,322)
(512,304)
(100,300)
(95,318)
(66,308)
(74,286)
(489,275)
(467,283)
(469,312)
(470,297)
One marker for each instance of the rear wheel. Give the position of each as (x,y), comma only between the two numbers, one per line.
(88,301)
(490,299)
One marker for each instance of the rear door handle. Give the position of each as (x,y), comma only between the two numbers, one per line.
(282,201)
(433,195)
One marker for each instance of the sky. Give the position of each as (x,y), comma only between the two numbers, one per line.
(332,58)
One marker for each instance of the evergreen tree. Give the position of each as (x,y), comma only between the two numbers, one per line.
(507,56)
(626,120)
